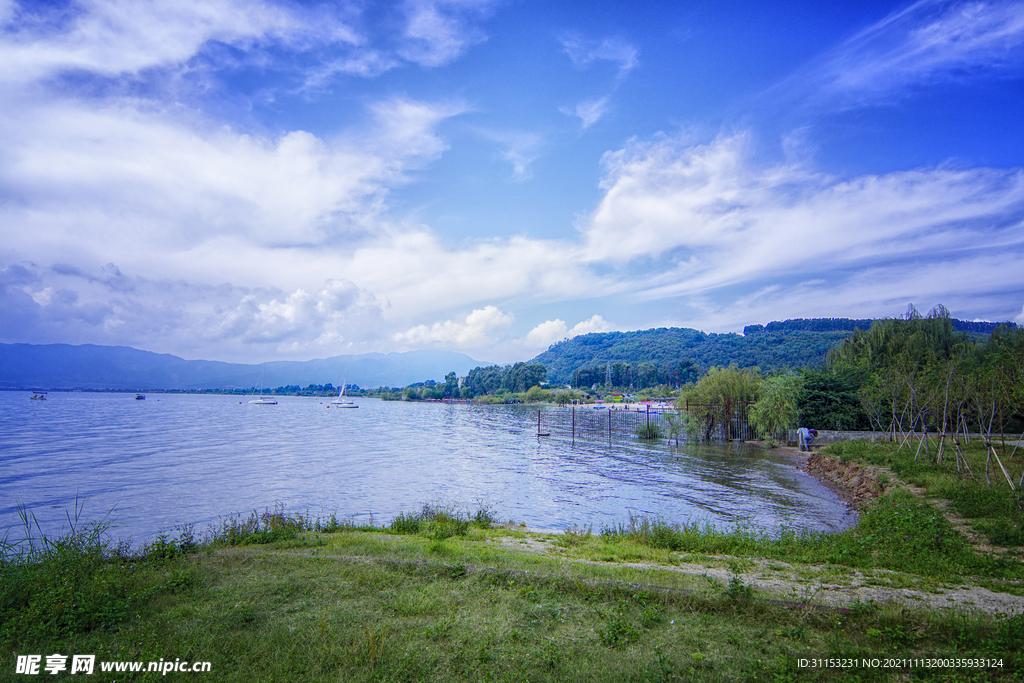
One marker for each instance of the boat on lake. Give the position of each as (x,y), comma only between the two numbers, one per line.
(38,396)
(140,397)
(262,401)
(342,401)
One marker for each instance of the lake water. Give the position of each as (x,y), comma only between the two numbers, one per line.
(173,459)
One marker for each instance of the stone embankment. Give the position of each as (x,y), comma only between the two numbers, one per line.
(855,483)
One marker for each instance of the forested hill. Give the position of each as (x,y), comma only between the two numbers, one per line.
(676,355)
(850,324)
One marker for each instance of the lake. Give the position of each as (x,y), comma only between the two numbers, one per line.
(173,458)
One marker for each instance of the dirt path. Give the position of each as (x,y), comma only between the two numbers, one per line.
(817,584)
(859,484)
(838,586)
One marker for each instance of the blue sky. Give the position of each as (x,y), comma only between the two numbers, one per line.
(250,181)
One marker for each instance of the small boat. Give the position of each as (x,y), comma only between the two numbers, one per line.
(342,401)
(262,401)
(38,396)
(140,397)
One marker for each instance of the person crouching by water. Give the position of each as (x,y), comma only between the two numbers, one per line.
(806,436)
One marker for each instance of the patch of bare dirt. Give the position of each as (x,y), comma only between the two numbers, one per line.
(853,482)
(858,484)
(817,584)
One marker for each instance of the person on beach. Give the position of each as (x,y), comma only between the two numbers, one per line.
(806,436)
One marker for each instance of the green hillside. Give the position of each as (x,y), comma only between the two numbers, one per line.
(677,355)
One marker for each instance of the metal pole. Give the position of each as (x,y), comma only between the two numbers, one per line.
(728,420)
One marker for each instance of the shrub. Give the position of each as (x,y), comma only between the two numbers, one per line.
(648,432)
(439,522)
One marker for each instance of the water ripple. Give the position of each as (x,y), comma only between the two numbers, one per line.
(196,458)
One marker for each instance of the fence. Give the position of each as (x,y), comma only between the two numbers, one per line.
(721,421)
(610,425)
(715,423)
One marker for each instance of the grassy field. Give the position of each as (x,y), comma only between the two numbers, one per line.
(446,595)
(994,509)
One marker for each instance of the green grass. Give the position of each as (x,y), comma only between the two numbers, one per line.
(899,532)
(360,605)
(993,508)
(444,595)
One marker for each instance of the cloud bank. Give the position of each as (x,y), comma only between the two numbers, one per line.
(132,215)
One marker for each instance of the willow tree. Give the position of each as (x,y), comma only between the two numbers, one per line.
(903,357)
(778,405)
(708,402)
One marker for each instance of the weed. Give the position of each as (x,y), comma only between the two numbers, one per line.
(972,500)
(439,522)
(484,517)
(77,581)
(373,647)
(259,529)
(1006,533)
(648,432)
(405,523)
(575,536)
(737,591)
(618,631)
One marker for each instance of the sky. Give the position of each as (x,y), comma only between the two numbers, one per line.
(256,180)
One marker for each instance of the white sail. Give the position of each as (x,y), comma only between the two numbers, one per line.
(342,401)
(263,401)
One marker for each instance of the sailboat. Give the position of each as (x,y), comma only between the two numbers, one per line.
(263,401)
(341,401)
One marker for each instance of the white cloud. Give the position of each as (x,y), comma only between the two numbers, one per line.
(589,111)
(121,182)
(103,306)
(926,42)
(366,63)
(547,333)
(551,331)
(476,331)
(111,37)
(230,244)
(594,323)
(299,317)
(439,31)
(963,283)
(521,150)
(726,240)
(714,218)
(584,52)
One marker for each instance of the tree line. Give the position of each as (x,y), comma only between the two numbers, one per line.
(917,375)
(635,376)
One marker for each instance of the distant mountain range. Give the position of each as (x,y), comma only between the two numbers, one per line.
(63,366)
(790,343)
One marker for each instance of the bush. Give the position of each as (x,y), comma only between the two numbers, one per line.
(54,587)
(648,432)
(257,529)
(439,522)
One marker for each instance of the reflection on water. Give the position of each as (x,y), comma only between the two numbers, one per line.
(193,458)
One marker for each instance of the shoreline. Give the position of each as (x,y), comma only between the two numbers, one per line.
(852,482)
